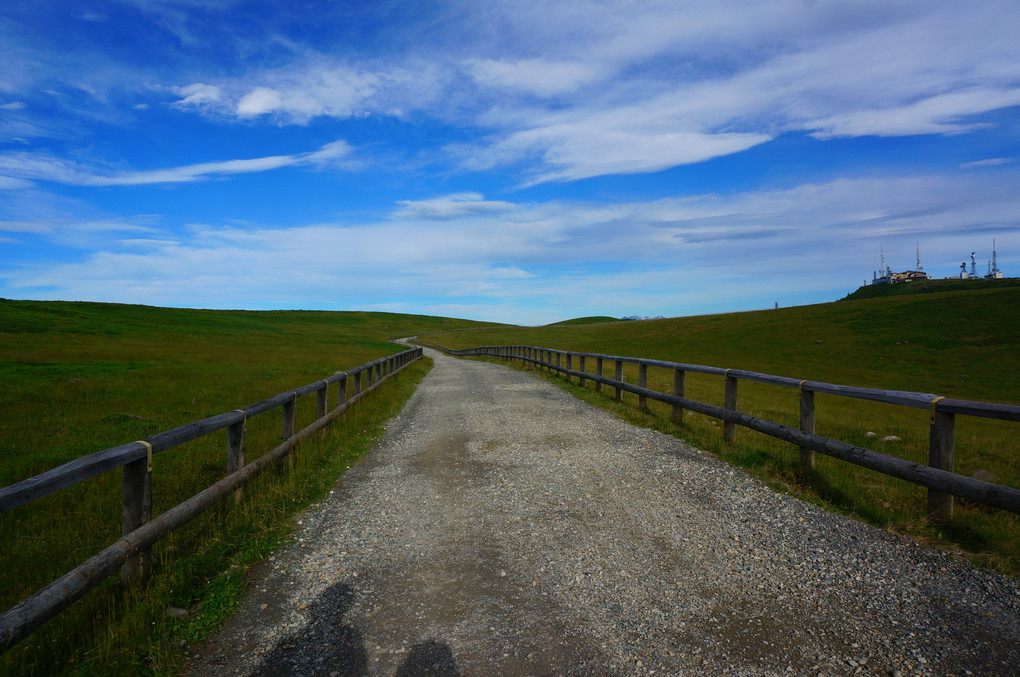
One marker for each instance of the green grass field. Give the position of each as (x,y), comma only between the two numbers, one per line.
(961,342)
(81,377)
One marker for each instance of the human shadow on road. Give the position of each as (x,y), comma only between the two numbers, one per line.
(429,659)
(326,646)
(329,646)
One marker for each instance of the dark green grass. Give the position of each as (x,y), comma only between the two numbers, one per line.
(964,345)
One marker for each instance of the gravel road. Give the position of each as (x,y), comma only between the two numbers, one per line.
(502,527)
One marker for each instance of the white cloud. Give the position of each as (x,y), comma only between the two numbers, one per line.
(22,166)
(198,95)
(590,88)
(939,114)
(990,162)
(577,156)
(452,206)
(695,83)
(531,261)
(13,105)
(320,86)
(537,76)
(259,101)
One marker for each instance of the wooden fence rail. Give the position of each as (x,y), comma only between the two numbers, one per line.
(140,531)
(937,475)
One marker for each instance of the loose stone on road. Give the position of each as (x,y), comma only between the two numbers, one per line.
(503,527)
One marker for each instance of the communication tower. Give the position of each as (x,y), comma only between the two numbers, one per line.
(993,266)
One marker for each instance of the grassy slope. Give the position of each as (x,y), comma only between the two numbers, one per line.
(964,345)
(598,319)
(80,377)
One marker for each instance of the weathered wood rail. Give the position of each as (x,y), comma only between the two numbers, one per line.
(131,553)
(938,476)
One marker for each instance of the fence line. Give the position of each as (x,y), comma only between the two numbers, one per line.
(937,475)
(131,553)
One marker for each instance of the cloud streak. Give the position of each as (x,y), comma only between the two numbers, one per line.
(18,168)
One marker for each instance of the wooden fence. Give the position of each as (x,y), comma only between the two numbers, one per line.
(937,475)
(132,553)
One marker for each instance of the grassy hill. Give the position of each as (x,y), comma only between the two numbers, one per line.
(874,291)
(81,377)
(598,319)
(961,342)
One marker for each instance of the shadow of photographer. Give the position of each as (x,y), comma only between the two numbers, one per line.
(330,647)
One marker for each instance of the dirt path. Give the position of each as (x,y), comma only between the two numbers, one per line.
(503,527)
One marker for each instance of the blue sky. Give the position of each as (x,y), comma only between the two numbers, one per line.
(516,161)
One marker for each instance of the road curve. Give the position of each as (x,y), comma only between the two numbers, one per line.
(503,527)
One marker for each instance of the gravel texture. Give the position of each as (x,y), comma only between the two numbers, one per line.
(503,527)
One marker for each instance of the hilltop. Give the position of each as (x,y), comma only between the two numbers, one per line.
(597,319)
(872,291)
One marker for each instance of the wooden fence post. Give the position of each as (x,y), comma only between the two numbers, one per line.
(322,400)
(729,427)
(341,395)
(679,388)
(357,382)
(941,442)
(557,364)
(236,451)
(807,424)
(136,510)
(618,375)
(287,429)
(642,383)
(581,368)
(598,372)
(569,363)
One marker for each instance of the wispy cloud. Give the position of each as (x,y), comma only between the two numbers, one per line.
(990,162)
(21,167)
(452,206)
